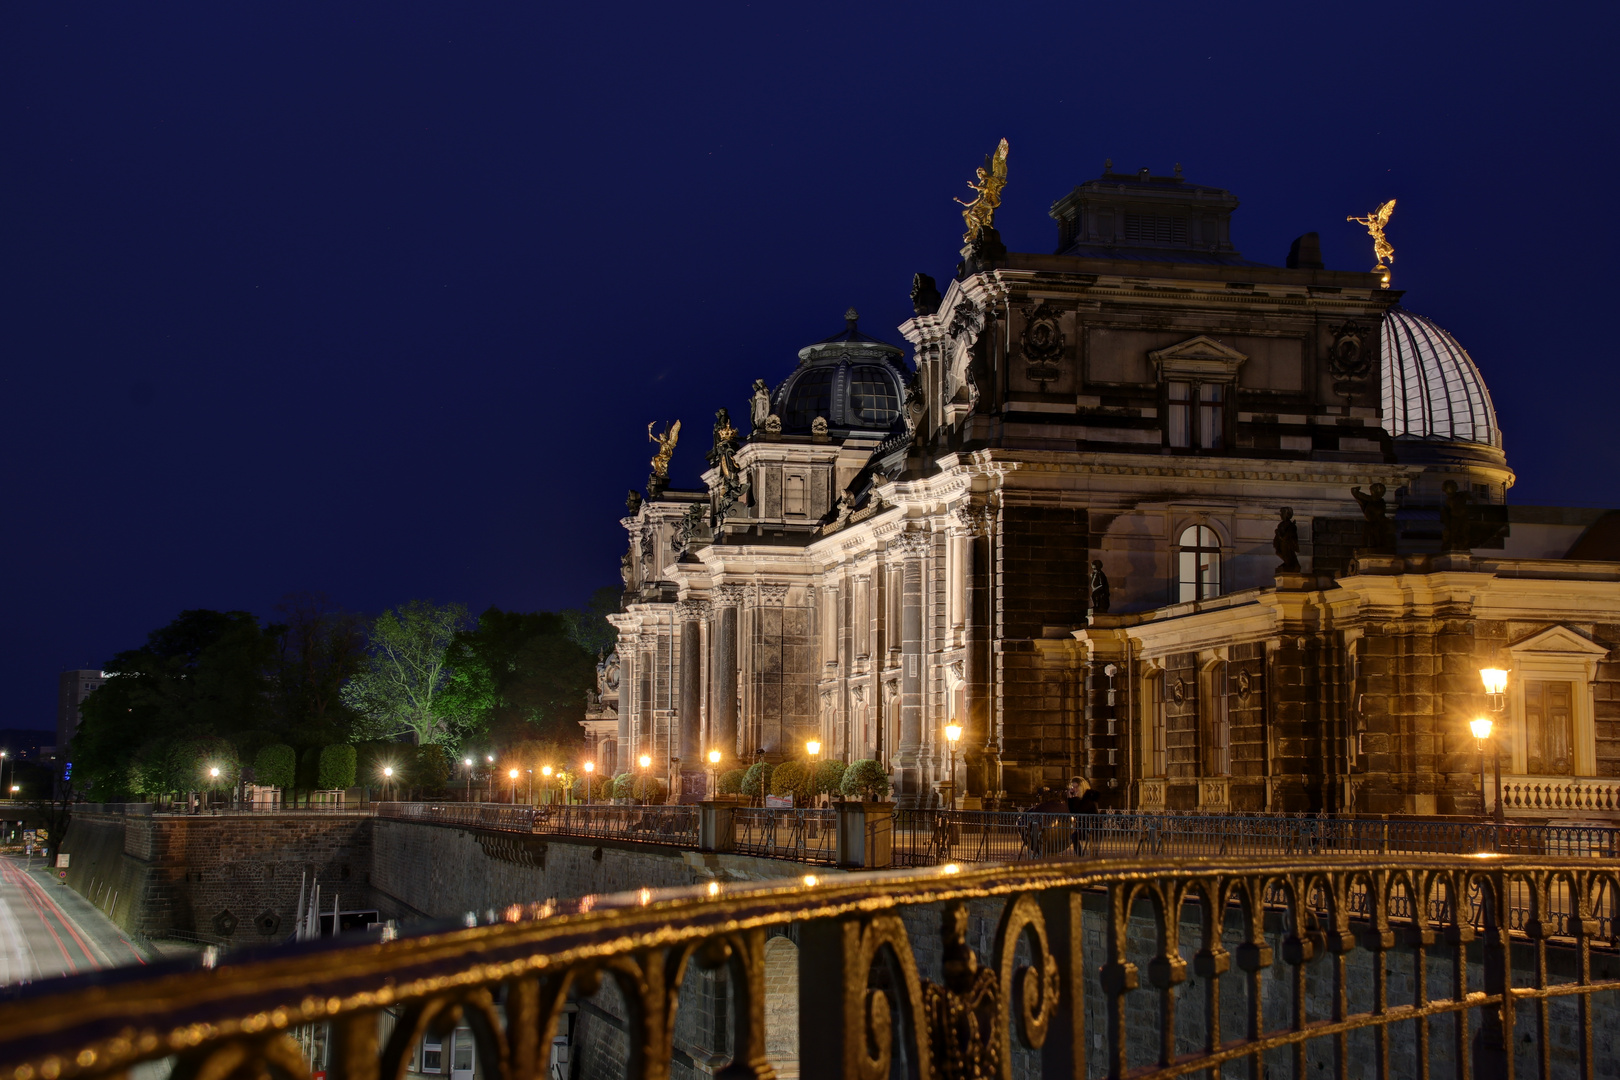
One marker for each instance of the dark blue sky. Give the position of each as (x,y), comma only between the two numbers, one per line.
(377,300)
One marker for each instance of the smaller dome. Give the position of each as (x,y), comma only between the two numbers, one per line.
(856,382)
(1431,388)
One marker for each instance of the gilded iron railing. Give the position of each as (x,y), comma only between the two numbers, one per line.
(799,835)
(673,825)
(1057,989)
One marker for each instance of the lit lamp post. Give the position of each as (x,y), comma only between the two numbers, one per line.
(467,762)
(213,775)
(646,775)
(513,775)
(388,779)
(1495,680)
(952,733)
(590,767)
(714,767)
(811,749)
(1481,727)
(545,785)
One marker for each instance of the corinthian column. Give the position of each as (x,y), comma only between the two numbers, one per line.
(689,744)
(723,687)
(908,754)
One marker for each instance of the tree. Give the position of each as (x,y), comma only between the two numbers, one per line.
(757,780)
(866,779)
(830,776)
(588,627)
(336,769)
(318,648)
(519,677)
(792,778)
(395,691)
(731,782)
(275,766)
(201,676)
(432,767)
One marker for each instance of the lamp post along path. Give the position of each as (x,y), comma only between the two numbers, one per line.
(1495,680)
(953,732)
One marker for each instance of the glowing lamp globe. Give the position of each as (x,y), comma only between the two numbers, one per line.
(512,774)
(590,766)
(714,757)
(644,761)
(1481,727)
(813,747)
(953,731)
(1495,680)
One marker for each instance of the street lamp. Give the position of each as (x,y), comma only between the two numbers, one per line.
(714,766)
(953,731)
(468,763)
(590,767)
(388,779)
(514,775)
(1495,680)
(811,748)
(545,771)
(1481,727)
(646,774)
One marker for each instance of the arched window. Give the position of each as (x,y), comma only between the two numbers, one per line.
(1200,563)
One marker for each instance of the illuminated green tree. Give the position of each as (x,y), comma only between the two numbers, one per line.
(396,690)
(519,677)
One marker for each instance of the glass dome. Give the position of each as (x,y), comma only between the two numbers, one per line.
(857,383)
(1431,388)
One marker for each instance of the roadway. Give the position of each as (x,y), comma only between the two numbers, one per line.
(47,929)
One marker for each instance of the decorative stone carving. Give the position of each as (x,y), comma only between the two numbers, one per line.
(967,321)
(1043,343)
(925,298)
(1348,360)
(971,518)
(1378,531)
(1245,684)
(632,502)
(858,692)
(624,568)
(955,673)
(760,404)
(818,427)
(772,594)
(729,595)
(773,424)
(1285,541)
(1178,691)
(687,530)
(607,673)
(692,610)
(1099,589)
(911,545)
(916,404)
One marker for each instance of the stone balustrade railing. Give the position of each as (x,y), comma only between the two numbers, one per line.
(1560,796)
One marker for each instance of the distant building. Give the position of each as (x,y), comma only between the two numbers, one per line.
(72,688)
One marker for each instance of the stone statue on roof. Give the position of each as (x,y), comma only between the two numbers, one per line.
(760,404)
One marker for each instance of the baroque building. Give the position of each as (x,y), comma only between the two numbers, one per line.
(1211,533)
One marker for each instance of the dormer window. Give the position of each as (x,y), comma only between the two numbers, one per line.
(1155,229)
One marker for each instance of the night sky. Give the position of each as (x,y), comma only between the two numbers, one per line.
(378,301)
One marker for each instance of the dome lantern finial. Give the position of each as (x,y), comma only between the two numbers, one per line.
(852,317)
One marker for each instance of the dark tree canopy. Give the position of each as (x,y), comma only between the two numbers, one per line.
(519,677)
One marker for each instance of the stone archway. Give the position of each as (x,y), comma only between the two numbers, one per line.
(782,1006)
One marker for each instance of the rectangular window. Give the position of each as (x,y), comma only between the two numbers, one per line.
(461,1058)
(1549,728)
(1218,724)
(432,1054)
(1179,413)
(1211,416)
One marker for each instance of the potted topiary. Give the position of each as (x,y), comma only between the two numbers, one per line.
(865,780)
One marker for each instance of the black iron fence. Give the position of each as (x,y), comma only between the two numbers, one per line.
(676,826)
(800,835)
(1083,968)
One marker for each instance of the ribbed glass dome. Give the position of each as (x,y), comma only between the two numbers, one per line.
(1432,390)
(854,382)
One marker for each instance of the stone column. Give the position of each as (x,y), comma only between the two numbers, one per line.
(978,751)
(689,744)
(908,754)
(723,691)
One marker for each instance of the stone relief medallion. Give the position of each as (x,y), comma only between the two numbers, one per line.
(1348,359)
(1245,684)
(1043,343)
(1178,692)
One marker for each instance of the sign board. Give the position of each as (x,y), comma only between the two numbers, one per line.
(778,802)
(62,860)
(62,874)
(42,836)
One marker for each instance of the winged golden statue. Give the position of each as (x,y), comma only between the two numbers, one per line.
(666,446)
(1375,223)
(980,214)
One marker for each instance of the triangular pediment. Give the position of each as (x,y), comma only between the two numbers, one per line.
(1557,640)
(1199,355)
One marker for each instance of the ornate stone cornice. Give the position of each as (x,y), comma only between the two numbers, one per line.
(769,593)
(693,610)
(911,545)
(729,595)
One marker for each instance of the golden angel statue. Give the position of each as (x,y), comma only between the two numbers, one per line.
(1375,223)
(666,446)
(980,214)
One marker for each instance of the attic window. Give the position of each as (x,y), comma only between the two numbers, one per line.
(1154,229)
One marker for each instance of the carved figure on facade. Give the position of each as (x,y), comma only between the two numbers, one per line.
(760,404)
(607,673)
(988,181)
(1378,531)
(1043,343)
(916,404)
(1349,360)
(723,456)
(1454,524)
(1382,249)
(1285,540)
(1100,599)
(647,554)
(925,298)
(972,518)
(773,424)
(688,529)
(818,427)
(624,568)
(632,502)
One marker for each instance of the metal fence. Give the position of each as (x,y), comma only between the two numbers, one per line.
(932,837)
(676,826)
(799,835)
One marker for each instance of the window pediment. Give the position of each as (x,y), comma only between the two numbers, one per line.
(1199,357)
(1556,641)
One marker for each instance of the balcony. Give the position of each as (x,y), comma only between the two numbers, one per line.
(1561,797)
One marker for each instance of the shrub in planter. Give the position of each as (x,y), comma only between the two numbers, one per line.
(830,777)
(865,779)
(651,791)
(731,781)
(623,785)
(756,781)
(792,778)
